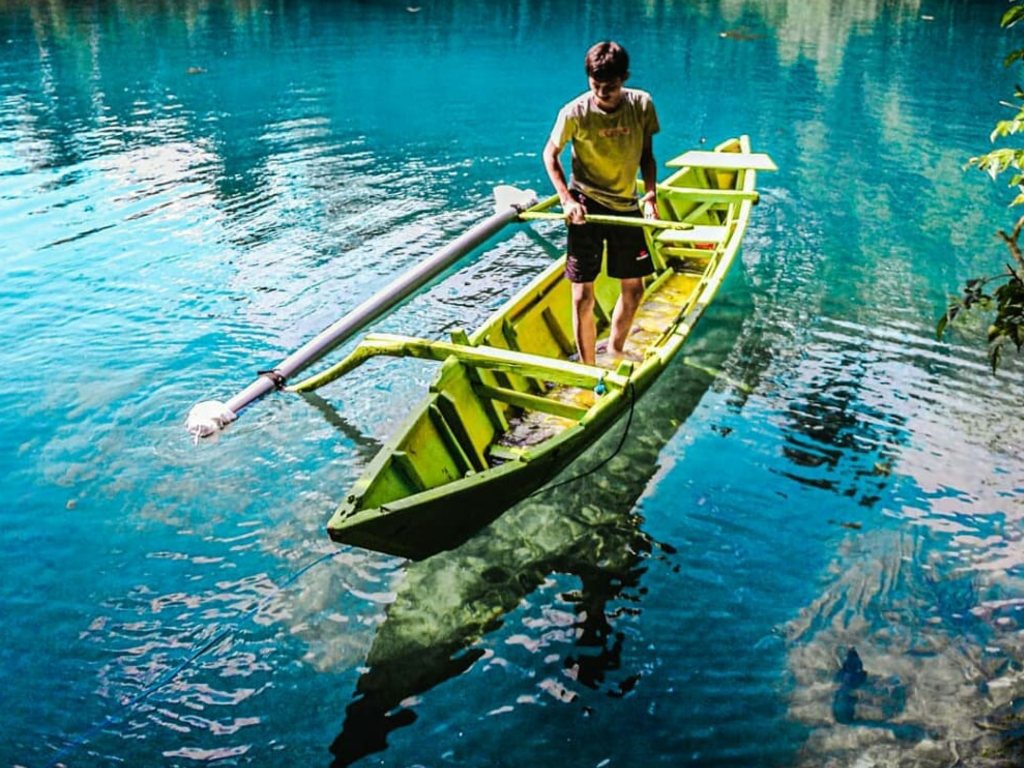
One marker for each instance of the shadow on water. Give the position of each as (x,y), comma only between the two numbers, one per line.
(365,445)
(584,528)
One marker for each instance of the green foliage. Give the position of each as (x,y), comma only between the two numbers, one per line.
(1012,15)
(1006,300)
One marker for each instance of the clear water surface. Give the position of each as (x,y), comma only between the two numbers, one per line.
(189,190)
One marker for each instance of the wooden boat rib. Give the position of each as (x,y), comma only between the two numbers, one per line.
(509,407)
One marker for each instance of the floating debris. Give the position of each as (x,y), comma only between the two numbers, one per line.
(853,525)
(196,71)
(739,34)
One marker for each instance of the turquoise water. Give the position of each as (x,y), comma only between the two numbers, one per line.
(188,191)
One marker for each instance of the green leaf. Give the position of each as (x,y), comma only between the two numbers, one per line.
(1007,128)
(1013,56)
(998,160)
(1012,16)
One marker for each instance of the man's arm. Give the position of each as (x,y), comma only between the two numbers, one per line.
(574,212)
(649,173)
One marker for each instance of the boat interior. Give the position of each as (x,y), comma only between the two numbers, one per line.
(479,415)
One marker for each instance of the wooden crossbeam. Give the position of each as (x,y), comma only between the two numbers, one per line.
(724,161)
(696,194)
(597,218)
(532,402)
(493,358)
(701,233)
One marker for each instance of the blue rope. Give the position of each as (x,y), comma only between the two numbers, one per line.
(118,716)
(606,459)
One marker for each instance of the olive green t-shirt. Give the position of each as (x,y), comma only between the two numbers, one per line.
(606,146)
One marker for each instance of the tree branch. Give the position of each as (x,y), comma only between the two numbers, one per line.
(1012,242)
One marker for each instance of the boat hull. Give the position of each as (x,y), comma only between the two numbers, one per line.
(509,408)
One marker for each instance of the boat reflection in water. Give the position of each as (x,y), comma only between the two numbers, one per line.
(584,528)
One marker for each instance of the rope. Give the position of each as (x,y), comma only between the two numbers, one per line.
(605,460)
(275,376)
(118,716)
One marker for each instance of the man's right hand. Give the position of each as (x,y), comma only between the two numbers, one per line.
(574,211)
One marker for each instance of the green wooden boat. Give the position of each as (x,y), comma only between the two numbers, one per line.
(510,407)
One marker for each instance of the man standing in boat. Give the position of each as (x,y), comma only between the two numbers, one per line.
(611,129)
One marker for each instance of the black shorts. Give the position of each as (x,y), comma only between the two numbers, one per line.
(627,247)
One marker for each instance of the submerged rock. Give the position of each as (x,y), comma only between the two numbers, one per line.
(852,674)
(862,699)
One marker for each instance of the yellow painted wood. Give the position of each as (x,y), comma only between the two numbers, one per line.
(626,221)
(756,161)
(701,233)
(533,402)
(697,256)
(404,465)
(696,194)
(521,363)
(506,453)
(449,439)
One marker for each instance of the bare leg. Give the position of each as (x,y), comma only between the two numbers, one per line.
(625,308)
(583,326)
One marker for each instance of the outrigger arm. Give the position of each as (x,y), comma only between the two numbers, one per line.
(210,416)
(511,204)
(563,372)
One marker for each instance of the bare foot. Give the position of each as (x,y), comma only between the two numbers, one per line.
(622,354)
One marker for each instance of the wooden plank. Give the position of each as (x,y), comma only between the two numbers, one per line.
(696,194)
(533,402)
(522,363)
(405,465)
(689,254)
(754,161)
(505,452)
(599,218)
(701,211)
(567,345)
(701,233)
(457,425)
(455,450)
(496,415)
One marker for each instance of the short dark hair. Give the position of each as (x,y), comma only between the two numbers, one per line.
(606,61)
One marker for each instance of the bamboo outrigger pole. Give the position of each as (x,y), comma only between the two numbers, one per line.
(210,416)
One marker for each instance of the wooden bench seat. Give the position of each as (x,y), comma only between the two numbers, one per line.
(700,233)
(724,161)
(704,195)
